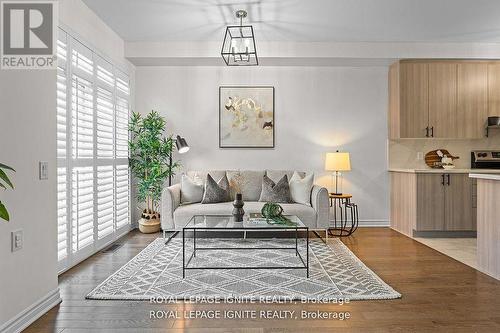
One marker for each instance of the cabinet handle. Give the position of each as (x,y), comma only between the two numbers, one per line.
(432,131)
(442,179)
(427,132)
(448,177)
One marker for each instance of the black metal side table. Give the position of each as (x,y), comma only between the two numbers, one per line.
(345,215)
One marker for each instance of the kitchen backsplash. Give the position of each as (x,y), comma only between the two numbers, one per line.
(403,152)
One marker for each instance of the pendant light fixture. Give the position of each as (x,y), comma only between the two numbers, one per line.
(238,48)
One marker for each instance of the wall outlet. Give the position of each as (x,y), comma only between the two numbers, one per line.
(420,156)
(17,240)
(43,170)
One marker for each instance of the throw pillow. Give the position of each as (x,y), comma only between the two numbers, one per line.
(300,188)
(275,192)
(216,192)
(191,189)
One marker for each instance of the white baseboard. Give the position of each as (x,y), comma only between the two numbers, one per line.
(32,313)
(374,223)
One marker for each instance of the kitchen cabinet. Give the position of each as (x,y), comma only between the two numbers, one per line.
(472,93)
(458,203)
(494,89)
(443,116)
(414,81)
(441,98)
(423,203)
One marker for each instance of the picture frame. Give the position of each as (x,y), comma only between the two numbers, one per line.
(247,117)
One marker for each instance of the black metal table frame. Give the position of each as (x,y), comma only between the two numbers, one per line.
(185,264)
(343,205)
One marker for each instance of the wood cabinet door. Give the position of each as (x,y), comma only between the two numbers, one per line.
(414,99)
(494,89)
(459,203)
(472,104)
(443,100)
(430,202)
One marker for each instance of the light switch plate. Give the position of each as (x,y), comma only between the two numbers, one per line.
(17,240)
(420,155)
(43,170)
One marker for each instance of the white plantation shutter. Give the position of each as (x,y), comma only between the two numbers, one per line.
(62,214)
(105,123)
(105,201)
(122,114)
(82,198)
(93,102)
(122,195)
(82,118)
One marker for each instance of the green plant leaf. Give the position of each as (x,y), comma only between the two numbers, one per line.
(3,166)
(4,214)
(5,178)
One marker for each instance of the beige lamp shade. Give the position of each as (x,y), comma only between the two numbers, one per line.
(337,162)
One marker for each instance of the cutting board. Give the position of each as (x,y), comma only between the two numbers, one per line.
(433,160)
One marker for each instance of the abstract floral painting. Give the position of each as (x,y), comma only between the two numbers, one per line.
(246,117)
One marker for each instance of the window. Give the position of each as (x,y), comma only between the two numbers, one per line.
(93,178)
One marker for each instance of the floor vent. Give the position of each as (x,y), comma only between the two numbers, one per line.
(112,248)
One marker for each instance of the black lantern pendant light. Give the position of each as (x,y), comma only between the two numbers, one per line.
(238,48)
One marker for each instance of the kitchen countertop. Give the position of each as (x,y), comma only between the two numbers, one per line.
(487,176)
(456,170)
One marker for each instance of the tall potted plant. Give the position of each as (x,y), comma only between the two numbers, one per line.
(4,182)
(150,152)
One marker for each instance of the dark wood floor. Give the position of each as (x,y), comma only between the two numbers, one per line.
(439,295)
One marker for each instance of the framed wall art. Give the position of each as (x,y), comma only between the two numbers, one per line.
(246,117)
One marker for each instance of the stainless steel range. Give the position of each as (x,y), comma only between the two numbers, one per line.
(485,159)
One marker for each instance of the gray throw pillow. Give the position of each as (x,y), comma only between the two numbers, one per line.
(216,192)
(275,192)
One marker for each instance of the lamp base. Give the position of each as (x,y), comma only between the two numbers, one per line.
(336,193)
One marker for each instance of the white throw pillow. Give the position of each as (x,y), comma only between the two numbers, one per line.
(191,189)
(300,188)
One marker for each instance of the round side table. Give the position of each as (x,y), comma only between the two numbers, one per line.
(345,215)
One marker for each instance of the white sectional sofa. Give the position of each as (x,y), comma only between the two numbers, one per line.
(175,214)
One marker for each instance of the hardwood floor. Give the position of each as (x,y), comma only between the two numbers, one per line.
(440,294)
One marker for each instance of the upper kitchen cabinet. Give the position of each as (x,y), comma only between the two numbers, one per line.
(472,99)
(443,117)
(408,100)
(494,89)
(439,98)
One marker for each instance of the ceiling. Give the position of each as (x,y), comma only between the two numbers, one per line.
(305,20)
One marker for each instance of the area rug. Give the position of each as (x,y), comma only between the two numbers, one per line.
(156,272)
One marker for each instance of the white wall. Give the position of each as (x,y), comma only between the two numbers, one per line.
(28,135)
(318,109)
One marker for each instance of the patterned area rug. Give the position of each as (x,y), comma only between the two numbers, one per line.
(335,272)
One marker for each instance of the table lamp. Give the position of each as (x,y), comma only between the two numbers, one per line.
(337,162)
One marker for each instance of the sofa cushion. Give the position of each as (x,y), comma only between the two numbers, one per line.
(300,188)
(191,189)
(276,175)
(275,192)
(216,191)
(246,182)
(216,174)
(184,213)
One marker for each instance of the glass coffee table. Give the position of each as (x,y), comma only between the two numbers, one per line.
(224,223)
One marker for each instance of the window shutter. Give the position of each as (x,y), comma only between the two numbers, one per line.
(61,96)
(122,195)
(82,199)
(62,170)
(105,201)
(92,151)
(62,216)
(105,142)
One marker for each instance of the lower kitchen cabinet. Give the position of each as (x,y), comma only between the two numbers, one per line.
(430,203)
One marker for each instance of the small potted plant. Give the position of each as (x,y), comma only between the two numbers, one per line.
(150,151)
